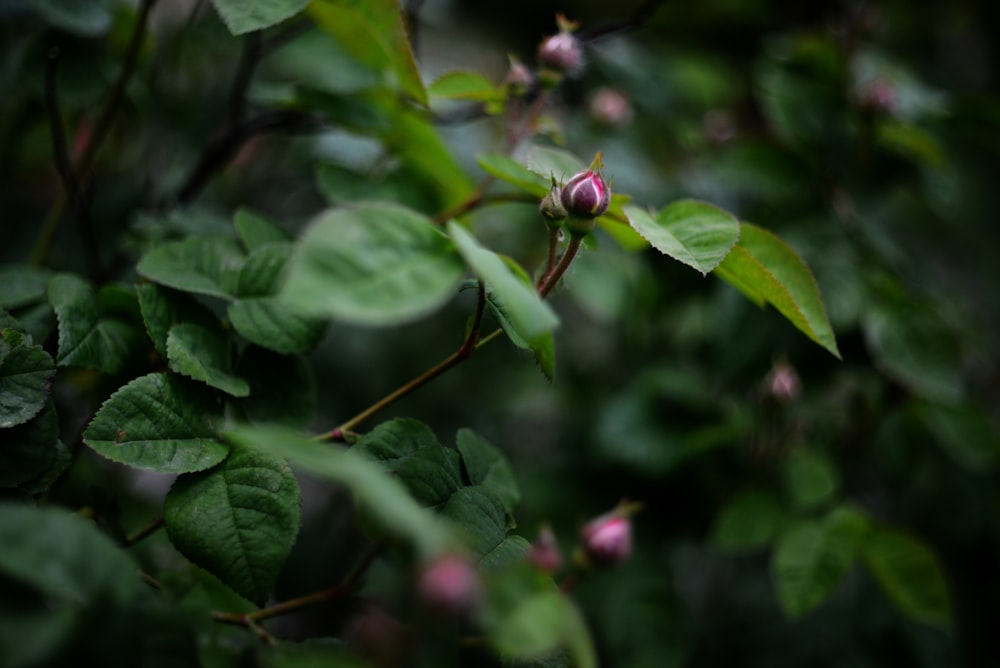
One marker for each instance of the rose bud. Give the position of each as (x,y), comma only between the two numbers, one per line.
(782,383)
(544,553)
(610,107)
(561,54)
(607,540)
(586,196)
(449,585)
(520,79)
(551,207)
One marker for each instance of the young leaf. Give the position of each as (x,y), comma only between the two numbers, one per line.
(30,448)
(238,520)
(909,574)
(540,621)
(88,337)
(158,422)
(809,477)
(259,316)
(409,449)
(374,33)
(255,231)
(25,373)
(766,269)
(809,561)
(204,265)
(480,516)
(243,17)
(282,388)
(373,264)
(203,354)
(543,348)
(485,465)
(550,162)
(381,495)
(531,317)
(695,233)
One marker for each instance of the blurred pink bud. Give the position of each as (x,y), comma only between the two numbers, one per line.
(544,552)
(611,107)
(520,78)
(878,95)
(607,540)
(782,383)
(561,52)
(449,585)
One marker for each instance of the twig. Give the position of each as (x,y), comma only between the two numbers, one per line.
(346,586)
(638,18)
(252,49)
(469,346)
(60,154)
(223,148)
(145,531)
(478,199)
(552,279)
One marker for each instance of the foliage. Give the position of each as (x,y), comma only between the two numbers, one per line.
(274,286)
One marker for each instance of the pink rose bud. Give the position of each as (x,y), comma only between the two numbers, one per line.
(449,585)
(610,107)
(520,79)
(561,52)
(607,540)
(544,553)
(586,195)
(782,384)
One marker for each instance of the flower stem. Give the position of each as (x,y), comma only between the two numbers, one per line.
(552,278)
(145,531)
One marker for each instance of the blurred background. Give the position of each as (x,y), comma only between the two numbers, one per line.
(866,134)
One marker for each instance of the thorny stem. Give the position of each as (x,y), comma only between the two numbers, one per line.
(145,531)
(346,586)
(80,177)
(469,346)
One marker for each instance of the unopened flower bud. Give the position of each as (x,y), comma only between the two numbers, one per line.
(586,196)
(878,96)
(544,553)
(449,585)
(610,107)
(607,540)
(782,383)
(561,54)
(551,207)
(520,79)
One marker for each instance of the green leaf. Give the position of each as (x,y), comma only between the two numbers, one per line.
(373,264)
(374,33)
(509,552)
(158,422)
(914,345)
(966,434)
(485,465)
(550,162)
(22,285)
(514,173)
(29,449)
(766,269)
(695,233)
(409,449)
(481,517)
(255,230)
(204,354)
(65,557)
(540,622)
(282,388)
(464,86)
(531,317)
(750,521)
(206,265)
(238,520)
(909,574)
(809,561)
(25,373)
(543,348)
(88,337)
(809,477)
(243,17)
(262,318)
(58,465)
(162,308)
(378,493)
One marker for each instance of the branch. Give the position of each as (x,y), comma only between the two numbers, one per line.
(60,153)
(223,148)
(638,18)
(252,49)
